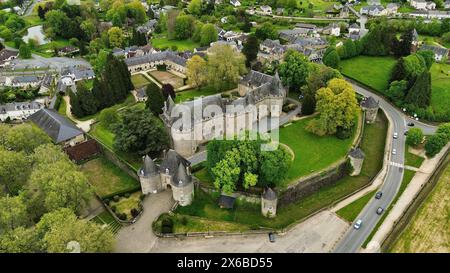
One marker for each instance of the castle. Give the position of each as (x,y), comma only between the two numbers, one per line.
(210,119)
(173,173)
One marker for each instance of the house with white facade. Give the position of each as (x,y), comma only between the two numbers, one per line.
(151,61)
(266,10)
(447,4)
(6,56)
(333,29)
(18,110)
(235,3)
(372,10)
(440,53)
(27,81)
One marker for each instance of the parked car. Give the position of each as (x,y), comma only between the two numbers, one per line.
(395,135)
(272,237)
(378,195)
(358,224)
(380,210)
(411,124)
(394,151)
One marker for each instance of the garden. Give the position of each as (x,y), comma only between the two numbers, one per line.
(127,206)
(139,81)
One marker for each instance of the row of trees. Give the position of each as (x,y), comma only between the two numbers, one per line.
(433,143)
(112,86)
(42,193)
(242,164)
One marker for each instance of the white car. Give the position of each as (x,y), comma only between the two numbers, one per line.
(395,135)
(394,151)
(358,224)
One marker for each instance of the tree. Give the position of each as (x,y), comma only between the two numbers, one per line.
(14,213)
(20,240)
(184,26)
(41,13)
(350,48)
(116,37)
(140,132)
(250,50)
(108,118)
(155,99)
(332,59)
(195,7)
(168,90)
(308,104)
(23,137)
(294,70)
(250,180)
(208,34)
(337,106)
(428,56)
(13,175)
(58,228)
(24,51)
(170,22)
(274,166)
(444,129)
(397,91)
(402,47)
(225,66)
(435,143)
(196,71)
(319,75)
(226,172)
(266,31)
(75,105)
(414,137)
(420,93)
(86,99)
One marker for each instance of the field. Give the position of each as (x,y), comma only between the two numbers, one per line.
(165,77)
(126,204)
(440,83)
(429,229)
(180,45)
(139,81)
(312,152)
(105,218)
(193,93)
(106,178)
(413,160)
(371,71)
(352,210)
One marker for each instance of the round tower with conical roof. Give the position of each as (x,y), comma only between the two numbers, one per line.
(356,157)
(149,177)
(269,202)
(370,106)
(182,186)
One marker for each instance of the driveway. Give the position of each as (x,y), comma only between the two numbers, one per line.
(317,234)
(139,237)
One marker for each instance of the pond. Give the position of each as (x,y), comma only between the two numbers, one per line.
(36,33)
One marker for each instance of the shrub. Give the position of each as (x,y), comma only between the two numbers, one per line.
(122,216)
(343,133)
(127,195)
(107,201)
(116,198)
(141,197)
(134,212)
(435,143)
(167,225)
(184,220)
(414,137)
(114,208)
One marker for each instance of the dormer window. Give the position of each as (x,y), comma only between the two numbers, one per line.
(167,171)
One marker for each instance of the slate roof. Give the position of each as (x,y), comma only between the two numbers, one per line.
(57,127)
(25,79)
(17,106)
(6,54)
(226,202)
(356,153)
(436,49)
(181,179)
(149,167)
(269,194)
(171,162)
(155,57)
(370,102)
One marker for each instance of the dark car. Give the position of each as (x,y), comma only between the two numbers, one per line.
(378,195)
(411,124)
(272,237)
(380,210)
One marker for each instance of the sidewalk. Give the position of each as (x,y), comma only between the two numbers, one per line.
(412,190)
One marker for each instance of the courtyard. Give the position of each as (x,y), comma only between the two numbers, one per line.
(167,77)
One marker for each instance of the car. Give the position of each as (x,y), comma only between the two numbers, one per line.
(395,135)
(300,97)
(378,195)
(272,237)
(380,210)
(394,151)
(410,124)
(358,224)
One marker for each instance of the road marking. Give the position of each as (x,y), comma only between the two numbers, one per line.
(395,164)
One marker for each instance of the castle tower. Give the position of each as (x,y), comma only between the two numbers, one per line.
(149,177)
(269,201)
(356,157)
(370,106)
(182,186)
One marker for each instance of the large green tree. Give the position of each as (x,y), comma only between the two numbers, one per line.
(251,48)
(414,137)
(13,213)
(155,99)
(274,167)
(294,70)
(208,34)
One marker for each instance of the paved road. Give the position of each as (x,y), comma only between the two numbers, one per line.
(354,239)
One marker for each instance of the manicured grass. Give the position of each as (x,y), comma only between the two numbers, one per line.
(204,176)
(139,81)
(194,93)
(205,205)
(182,45)
(440,87)
(105,218)
(107,178)
(32,20)
(312,153)
(428,231)
(126,204)
(413,160)
(62,107)
(371,71)
(407,177)
(128,102)
(352,210)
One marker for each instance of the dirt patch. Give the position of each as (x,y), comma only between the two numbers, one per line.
(166,77)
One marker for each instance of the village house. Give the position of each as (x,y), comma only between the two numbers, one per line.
(266,10)
(447,4)
(372,10)
(431,14)
(353,28)
(391,9)
(271,50)
(18,110)
(6,56)
(440,53)
(67,50)
(423,5)
(255,89)
(133,51)
(373,2)
(46,83)
(148,27)
(150,61)
(235,3)
(313,48)
(290,35)
(251,10)
(27,81)
(333,29)
(279,11)
(140,95)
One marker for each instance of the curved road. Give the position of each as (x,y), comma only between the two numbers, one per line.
(354,239)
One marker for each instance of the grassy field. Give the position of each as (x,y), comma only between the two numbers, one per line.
(62,107)
(105,218)
(181,45)
(193,93)
(407,177)
(139,81)
(126,204)
(312,152)
(351,211)
(413,160)
(440,84)
(429,229)
(371,71)
(244,213)
(107,178)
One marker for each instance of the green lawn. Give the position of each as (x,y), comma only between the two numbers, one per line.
(204,176)
(371,71)
(351,211)
(62,107)
(126,204)
(412,159)
(407,177)
(128,102)
(105,218)
(107,178)
(440,84)
(182,45)
(139,80)
(193,93)
(205,205)
(312,153)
